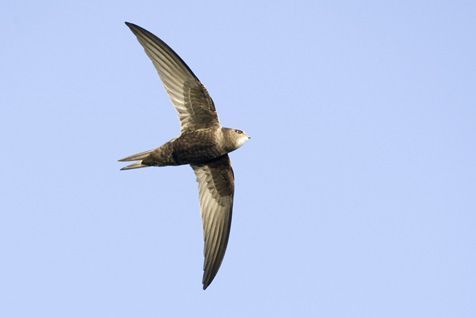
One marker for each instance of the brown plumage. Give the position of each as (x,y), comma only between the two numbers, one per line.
(203,143)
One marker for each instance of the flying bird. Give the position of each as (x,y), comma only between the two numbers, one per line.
(203,144)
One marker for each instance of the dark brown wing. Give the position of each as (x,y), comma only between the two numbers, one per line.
(216,185)
(195,107)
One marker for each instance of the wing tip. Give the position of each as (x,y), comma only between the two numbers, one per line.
(208,277)
(134,27)
(206,283)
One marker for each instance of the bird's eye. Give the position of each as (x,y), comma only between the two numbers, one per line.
(238,131)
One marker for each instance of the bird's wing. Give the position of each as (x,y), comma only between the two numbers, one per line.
(216,185)
(195,107)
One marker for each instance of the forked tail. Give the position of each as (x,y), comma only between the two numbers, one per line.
(137,157)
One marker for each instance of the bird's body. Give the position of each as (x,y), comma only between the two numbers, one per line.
(203,143)
(191,147)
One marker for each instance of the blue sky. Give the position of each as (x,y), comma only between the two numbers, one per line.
(355,197)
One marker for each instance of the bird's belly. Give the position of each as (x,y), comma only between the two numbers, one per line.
(196,153)
(196,147)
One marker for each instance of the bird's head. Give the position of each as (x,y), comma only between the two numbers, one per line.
(235,138)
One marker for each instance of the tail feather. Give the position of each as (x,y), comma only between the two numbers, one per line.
(135,166)
(137,156)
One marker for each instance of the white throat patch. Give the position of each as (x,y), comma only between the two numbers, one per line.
(243,138)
